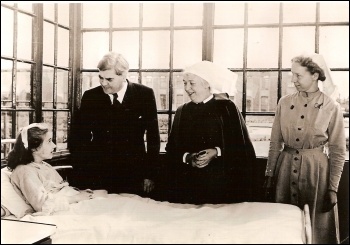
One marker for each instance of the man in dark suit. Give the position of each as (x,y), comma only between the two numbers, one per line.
(108,135)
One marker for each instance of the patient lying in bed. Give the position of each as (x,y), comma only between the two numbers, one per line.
(36,181)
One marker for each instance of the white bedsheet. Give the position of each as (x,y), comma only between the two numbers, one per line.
(132,219)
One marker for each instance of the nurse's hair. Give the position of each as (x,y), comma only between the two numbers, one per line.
(310,65)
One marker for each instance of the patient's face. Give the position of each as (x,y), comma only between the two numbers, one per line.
(45,150)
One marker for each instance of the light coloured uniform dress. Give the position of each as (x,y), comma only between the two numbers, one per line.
(304,132)
(42,187)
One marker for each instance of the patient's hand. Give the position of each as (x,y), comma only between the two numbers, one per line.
(88,191)
(83,195)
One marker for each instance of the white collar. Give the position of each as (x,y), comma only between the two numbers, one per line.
(121,93)
(209,98)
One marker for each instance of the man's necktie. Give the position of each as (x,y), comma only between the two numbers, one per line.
(115,100)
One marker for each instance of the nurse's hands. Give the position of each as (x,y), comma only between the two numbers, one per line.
(330,199)
(269,188)
(203,158)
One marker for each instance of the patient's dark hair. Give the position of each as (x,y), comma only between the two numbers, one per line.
(19,154)
(311,66)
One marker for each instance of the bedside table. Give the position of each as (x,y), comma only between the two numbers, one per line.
(25,232)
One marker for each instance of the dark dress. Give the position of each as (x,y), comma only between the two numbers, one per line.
(108,140)
(228,178)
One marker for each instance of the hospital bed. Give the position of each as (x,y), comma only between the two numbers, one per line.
(127,218)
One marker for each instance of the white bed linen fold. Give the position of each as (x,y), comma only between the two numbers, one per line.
(132,219)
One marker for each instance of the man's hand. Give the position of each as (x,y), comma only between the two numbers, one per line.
(148,185)
(330,199)
(269,188)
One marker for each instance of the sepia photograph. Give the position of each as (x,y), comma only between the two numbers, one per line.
(175,122)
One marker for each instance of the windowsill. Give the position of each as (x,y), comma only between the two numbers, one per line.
(59,154)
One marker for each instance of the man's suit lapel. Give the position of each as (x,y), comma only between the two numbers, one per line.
(103,98)
(129,94)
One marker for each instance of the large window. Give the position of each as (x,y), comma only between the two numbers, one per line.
(48,60)
(35,69)
(257,41)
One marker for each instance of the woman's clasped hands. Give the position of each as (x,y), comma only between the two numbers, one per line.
(202,158)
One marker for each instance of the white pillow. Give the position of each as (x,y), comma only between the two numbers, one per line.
(9,197)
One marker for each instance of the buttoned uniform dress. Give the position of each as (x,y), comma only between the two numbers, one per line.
(228,178)
(108,140)
(303,129)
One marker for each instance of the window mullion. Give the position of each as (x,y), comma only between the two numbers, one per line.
(38,45)
(208,20)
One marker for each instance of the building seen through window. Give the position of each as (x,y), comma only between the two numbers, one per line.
(45,71)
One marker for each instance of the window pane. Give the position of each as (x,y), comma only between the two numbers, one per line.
(186,14)
(125,15)
(293,45)
(238,97)
(62,128)
(63,13)
(49,11)
(95,15)
(263,13)
(341,80)
(23,85)
(334,11)
(262,91)
(346,126)
(163,123)
(259,128)
(63,47)
(262,48)
(24,45)
(48,118)
(93,53)
(47,94)
(6,125)
(49,43)
(62,89)
(334,45)
(7,31)
(26,7)
(159,81)
(294,12)
(180,96)
(156,14)
(346,129)
(287,84)
(133,77)
(22,118)
(229,13)
(122,43)
(228,47)
(156,49)
(187,53)
(89,80)
(6,83)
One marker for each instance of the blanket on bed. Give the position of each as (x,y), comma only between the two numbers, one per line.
(132,219)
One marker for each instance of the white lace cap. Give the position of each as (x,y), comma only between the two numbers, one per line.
(24,132)
(327,86)
(220,79)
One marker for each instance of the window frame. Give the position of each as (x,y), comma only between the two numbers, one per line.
(75,65)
